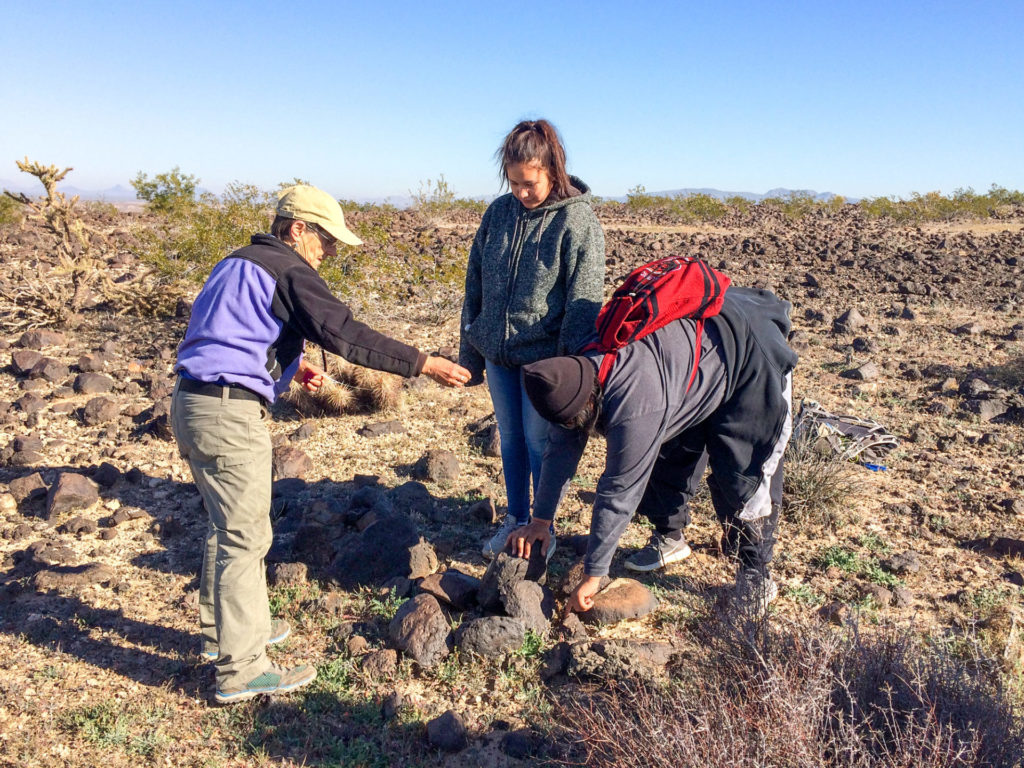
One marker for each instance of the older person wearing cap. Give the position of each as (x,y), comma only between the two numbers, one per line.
(660,437)
(242,348)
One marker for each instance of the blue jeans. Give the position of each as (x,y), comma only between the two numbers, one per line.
(524,435)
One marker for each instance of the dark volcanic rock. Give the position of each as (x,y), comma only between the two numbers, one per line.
(619,658)
(304,432)
(491,636)
(27,443)
(522,744)
(447,732)
(533,604)
(24,360)
(26,459)
(290,461)
(287,574)
(454,587)
(392,427)
(93,383)
(79,524)
(621,599)
(504,572)
(381,664)
(100,410)
(41,337)
(30,403)
(866,372)
(440,466)
(484,511)
(71,492)
(92,363)
(420,630)
(50,370)
(387,548)
(850,321)
(903,563)
(75,577)
(988,409)
(106,474)
(27,488)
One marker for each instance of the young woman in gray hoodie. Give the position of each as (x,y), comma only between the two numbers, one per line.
(534,285)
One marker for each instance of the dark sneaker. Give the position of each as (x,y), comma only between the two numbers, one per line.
(279,630)
(275,680)
(755,590)
(659,552)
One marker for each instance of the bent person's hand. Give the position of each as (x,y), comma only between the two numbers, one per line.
(582,598)
(445,372)
(309,376)
(522,540)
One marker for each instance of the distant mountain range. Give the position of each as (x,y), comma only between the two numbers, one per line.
(119,193)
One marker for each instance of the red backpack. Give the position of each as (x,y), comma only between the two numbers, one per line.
(654,295)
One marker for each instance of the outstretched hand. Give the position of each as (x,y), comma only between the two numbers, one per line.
(522,540)
(445,372)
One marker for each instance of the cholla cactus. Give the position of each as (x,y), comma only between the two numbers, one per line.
(350,389)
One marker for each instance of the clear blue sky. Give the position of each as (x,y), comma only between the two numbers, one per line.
(371,98)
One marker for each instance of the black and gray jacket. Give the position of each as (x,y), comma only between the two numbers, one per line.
(739,399)
(255,310)
(534,281)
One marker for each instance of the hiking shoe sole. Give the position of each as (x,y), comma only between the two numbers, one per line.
(672,557)
(287,680)
(279,626)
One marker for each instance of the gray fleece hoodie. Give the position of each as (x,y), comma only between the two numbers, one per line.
(534,282)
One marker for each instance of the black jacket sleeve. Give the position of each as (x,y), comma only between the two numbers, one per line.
(326,321)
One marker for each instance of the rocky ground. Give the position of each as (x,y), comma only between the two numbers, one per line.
(379,516)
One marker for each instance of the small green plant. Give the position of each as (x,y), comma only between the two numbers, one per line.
(384,607)
(838,557)
(168,192)
(337,675)
(804,594)
(872,570)
(107,724)
(873,542)
(532,645)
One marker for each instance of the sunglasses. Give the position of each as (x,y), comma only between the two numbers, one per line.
(326,240)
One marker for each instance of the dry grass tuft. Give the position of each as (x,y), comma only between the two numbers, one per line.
(797,697)
(820,486)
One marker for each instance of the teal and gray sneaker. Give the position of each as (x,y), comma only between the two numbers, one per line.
(279,630)
(275,680)
(659,552)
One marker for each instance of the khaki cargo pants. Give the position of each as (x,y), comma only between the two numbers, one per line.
(227,446)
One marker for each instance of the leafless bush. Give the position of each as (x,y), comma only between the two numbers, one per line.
(797,697)
(819,485)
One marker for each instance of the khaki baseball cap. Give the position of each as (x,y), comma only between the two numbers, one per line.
(315,206)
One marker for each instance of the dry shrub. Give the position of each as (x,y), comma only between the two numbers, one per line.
(350,389)
(797,697)
(820,486)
